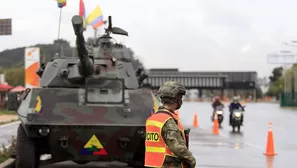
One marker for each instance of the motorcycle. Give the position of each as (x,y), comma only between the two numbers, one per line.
(236,119)
(220,114)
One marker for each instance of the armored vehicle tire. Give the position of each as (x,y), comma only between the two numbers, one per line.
(80,162)
(26,154)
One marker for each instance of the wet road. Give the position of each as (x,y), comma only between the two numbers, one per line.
(233,150)
(243,150)
(7,131)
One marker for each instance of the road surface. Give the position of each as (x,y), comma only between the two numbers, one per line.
(7,131)
(231,150)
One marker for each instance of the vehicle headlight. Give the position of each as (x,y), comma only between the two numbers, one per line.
(44,131)
(237,114)
(219,112)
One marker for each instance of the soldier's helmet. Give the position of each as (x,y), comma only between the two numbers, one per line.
(171,89)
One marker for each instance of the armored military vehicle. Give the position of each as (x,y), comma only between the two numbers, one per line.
(90,108)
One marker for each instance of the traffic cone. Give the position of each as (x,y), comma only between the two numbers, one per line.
(270,142)
(215,129)
(195,122)
(269,161)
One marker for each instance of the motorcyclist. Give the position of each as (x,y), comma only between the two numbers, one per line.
(216,102)
(235,104)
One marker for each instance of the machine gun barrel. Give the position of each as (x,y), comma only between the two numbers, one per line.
(85,63)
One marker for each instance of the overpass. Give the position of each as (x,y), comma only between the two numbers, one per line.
(203,80)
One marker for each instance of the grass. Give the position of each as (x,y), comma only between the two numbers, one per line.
(7,112)
(6,152)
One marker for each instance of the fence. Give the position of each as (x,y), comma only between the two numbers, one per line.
(288,99)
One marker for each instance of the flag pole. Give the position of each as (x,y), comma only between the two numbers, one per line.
(95,34)
(60,18)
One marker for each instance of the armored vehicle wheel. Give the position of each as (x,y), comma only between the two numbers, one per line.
(80,162)
(26,154)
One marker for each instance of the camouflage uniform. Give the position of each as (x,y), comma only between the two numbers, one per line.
(172,135)
(173,139)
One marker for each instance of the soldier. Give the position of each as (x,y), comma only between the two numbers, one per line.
(165,138)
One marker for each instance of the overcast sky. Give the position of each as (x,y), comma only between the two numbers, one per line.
(193,35)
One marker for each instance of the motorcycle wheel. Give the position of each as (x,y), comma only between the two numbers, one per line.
(238,128)
(233,128)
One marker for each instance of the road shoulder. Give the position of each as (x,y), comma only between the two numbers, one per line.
(8,118)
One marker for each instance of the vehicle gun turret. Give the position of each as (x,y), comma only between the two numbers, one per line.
(106,58)
(85,64)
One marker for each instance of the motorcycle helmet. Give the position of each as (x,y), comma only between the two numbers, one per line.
(235,99)
(216,99)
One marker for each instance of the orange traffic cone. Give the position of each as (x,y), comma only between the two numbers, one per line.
(270,142)
(195,122)
(269,161)
(215,129)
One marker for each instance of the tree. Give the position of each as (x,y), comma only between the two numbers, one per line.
(15,76)
(276,88)
(2,70)
(276,83)
(259,93)
(276,74)
(290,75)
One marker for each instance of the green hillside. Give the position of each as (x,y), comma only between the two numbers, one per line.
(15,57)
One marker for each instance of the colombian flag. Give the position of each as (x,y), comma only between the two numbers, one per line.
(61,3)
(95,18)
(82,12)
